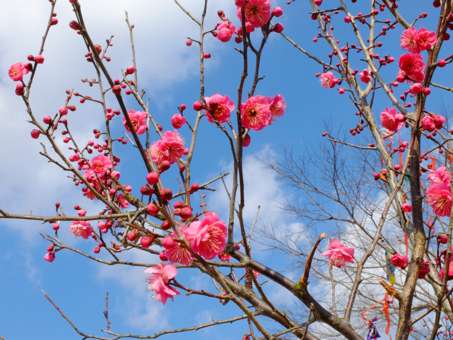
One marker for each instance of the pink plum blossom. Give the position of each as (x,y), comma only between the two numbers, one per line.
(338,253)
(256,113)
(392,120)
(17,71)
(100,165)
(174,251)
(416,41)
(278,106)
(400,261)
(328,80)
(427,123)
(207,237)
(139,120)
(169,148)
(225,30)
(218,108)
(178,120)
(438,193)
(160,275)
(81,229)
(439,176)
(412,66)
(257,12)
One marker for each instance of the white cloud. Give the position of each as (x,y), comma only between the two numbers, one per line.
(161,29)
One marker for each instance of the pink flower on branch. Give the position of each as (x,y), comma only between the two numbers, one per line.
(257,12)
(207,237)
(416,41)
(328,80)
(100,165)
(139,120)
(278,105)
(438,193)
(224,30)
(81,229)
(392,120)
(169,148)
(17,71)
(218,108)
(412,66)
(338,254)
(175,251)
(160,276)
(256,113)
(400,261)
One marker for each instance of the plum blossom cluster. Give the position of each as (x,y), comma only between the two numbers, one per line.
(205,238)
(256,113)
(257,14)
(412,66)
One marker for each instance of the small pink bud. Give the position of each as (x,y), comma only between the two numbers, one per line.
(116,89)
(277,11)
(178,120)
(35,133)
(189,42)
(130,70)
(132,235)
(441,63)
(416,88)
(47,119)
(442,238)
(246,140)
(194,187)
(39,59)
(182,107)
(74,25)
(63,110)
(152,178)
(49,257)
(166,194)
(20,88)
(407,208)
(166,225)
(279,28)
(152,209)
(197,106)
(146,241)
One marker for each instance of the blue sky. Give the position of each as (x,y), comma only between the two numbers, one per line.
(168,72)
